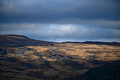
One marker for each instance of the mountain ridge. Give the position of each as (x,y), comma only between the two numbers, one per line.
(21,40)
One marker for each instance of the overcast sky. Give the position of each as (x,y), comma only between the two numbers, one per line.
(62,20)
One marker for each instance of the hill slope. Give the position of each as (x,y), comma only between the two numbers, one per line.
(22,58)
(18,40)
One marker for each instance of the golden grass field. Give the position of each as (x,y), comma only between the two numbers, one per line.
(58,62)
(83,51)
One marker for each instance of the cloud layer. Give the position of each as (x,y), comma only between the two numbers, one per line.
(61,20)
(61,32)
(55,11)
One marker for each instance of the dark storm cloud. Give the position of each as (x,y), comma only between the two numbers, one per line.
(61,20)
(55,11)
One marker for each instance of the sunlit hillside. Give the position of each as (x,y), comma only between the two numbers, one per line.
(59,61)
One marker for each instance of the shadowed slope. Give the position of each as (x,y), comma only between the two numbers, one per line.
(18,40)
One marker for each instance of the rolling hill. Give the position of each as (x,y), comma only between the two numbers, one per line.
(22,58)
(19,40)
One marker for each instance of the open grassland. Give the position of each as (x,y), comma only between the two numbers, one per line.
(61,61)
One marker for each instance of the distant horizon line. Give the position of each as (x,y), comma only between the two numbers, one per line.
(67,41)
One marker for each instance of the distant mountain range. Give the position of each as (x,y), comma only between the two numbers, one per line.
(20,40)
(97,42)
